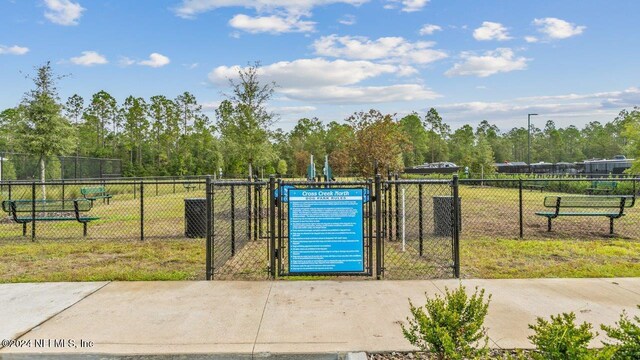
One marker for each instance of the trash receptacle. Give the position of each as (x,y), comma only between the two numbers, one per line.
(195,217)
(442,215)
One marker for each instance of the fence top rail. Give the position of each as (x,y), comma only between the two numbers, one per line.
(546,180)
(282,182)
(98,183)
(236,183)
(418,181)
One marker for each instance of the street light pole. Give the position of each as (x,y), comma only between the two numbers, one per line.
(529,139)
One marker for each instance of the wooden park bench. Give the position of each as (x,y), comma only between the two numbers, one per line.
(95,193)
(611,206)
(189,186)
(602,187)
(22,211)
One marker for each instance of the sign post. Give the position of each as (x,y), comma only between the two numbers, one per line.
(326,231)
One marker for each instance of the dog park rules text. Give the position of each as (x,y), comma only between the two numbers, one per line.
(326,231)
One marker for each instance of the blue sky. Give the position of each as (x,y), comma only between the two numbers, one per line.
(572,61)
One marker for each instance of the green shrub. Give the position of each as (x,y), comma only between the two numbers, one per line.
(561,339)
(627,336)
(450,327)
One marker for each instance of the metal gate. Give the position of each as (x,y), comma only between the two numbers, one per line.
(411,228)
(420,227)
(280,239)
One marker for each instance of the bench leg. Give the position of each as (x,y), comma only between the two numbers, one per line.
(610,226)
(84,229)
(24,229)
(548,224)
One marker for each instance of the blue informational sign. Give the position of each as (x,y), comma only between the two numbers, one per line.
(326,230)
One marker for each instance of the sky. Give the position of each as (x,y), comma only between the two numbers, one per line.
(571,61)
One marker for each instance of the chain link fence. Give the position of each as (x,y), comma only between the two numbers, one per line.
(19,166)
(417,223)
(137,229)
(578,209)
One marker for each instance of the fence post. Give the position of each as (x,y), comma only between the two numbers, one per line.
(9,185)
(233,220)
(397,209)
(249,210)
(420,218)
(63,202)
(520,207)
(141,210)
(389,234)
(272,226)
(209,250)
(379,249)
(456,228)
(33,211)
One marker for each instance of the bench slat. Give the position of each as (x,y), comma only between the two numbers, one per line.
(602,201)
(578,214)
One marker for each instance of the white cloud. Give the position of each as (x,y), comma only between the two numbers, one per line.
(531,39)
(323,81)
(568,109)
(557,28)
(191,8)
(155,60)
(13,50)
(491,31)
(429,29)
(211,105)
(272,24)
(390,49)
(362,94)
(287,110)
(492,62)
(348,20)
(89,58)
(305,73)
(125,61)
(191,66)
(63,12)
(408,5)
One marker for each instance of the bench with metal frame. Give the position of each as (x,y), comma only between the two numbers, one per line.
(26,211)
(189,186)
(599,186)
(95,193)
(611,206)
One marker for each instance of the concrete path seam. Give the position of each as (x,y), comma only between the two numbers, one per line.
(611,281)
(61,311)
(264,310)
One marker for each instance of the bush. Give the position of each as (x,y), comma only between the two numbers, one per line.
(561,339)
(450,327)
(627,336)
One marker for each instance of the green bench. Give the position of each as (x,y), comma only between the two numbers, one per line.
(611,206)
(95,193)
(22,211)
(189,186)
(602,187)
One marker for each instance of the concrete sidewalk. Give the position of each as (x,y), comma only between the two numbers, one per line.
(254,319)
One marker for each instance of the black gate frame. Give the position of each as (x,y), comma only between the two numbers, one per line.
(378,218)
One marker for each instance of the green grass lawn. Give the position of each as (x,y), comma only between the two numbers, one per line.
(490,247)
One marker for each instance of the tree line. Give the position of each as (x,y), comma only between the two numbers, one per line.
(173,136)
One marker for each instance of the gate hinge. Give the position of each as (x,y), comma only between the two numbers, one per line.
(276,253)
